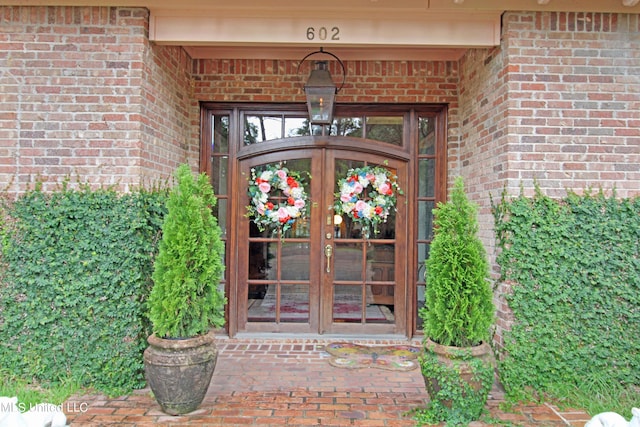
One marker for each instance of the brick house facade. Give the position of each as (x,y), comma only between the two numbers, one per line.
(85,93)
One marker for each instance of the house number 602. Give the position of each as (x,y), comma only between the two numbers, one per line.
(323,33)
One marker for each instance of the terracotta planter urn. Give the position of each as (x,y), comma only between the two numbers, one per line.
(179,371)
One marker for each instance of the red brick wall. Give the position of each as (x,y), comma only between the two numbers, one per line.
(556,105)
(170,116)
(367,81)
(85,95)
(574,101)
(481,152)
(483,142)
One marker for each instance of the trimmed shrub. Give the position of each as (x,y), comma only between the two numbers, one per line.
(185,300)
(459,308)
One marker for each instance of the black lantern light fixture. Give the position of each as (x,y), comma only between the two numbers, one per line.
(321,90)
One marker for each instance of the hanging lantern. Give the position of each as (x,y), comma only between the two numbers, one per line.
(321,91)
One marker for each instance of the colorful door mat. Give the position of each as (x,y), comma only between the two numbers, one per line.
(393,357)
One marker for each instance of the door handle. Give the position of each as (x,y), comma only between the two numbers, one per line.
(328,251)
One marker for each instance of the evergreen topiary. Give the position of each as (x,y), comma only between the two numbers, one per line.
(185,300)
(459,306)
(457,364)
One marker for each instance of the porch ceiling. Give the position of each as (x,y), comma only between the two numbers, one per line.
(351,29)
(627,6)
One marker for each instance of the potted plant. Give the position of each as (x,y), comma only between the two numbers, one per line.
(457,364)
(186,303)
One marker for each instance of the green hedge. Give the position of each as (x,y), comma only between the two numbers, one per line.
(76,275)
(575,269)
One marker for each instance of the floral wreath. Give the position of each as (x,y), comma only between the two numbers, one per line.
(367,195)
(269,214)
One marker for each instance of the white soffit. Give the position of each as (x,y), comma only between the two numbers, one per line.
(263,33)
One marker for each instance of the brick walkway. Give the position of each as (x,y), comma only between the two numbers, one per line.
(280,382)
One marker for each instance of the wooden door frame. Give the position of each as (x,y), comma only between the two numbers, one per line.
(408,151)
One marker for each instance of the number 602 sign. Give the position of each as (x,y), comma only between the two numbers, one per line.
(323,33)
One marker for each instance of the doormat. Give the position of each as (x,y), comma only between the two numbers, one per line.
(392,357)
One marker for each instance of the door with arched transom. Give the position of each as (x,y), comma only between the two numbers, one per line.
(324,274)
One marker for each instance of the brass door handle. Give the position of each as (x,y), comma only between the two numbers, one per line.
(328,251)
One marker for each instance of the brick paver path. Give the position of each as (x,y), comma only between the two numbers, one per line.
(282,382)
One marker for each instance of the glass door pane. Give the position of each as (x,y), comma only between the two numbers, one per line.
(360,281)
(279,275)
